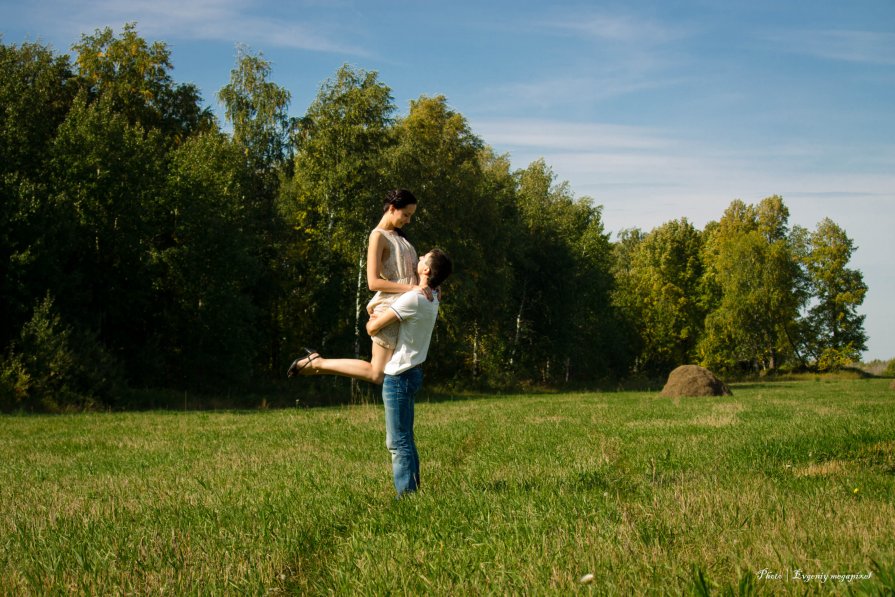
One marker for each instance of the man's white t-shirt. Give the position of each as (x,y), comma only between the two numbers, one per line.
(417,315)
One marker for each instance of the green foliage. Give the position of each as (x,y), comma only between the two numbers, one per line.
(208,267)
(747,293)
(36,90)
(658,279)
(564,320)
(463,189)
(340,145)
(133,77)
(751,268)
(52,366)
(331,203)
(890,369)
(258,110)
(15,382)
(107,177)
(197,259)
(835,336)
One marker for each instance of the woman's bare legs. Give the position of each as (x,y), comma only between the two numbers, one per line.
(372,371)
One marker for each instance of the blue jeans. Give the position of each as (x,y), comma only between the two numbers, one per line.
(398,392)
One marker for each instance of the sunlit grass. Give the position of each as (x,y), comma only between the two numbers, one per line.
(521,494)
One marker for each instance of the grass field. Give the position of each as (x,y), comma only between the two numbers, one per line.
(750,494)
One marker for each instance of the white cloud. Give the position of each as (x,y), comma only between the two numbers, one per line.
(619,28)
(645,176)
(230,21)
(575,88)
(565,136)
(869,47)
(605,56)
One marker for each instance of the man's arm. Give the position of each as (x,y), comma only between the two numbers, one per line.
(377,322)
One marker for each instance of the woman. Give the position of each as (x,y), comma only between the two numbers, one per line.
(391,271)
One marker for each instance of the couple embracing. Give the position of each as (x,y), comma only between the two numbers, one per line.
(402,316)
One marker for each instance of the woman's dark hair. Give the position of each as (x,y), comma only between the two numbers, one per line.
(398,198)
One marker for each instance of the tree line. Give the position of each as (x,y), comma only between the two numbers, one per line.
(142,245)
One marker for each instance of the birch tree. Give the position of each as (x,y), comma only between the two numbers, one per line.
(752,264)
(331,203)
(835,329)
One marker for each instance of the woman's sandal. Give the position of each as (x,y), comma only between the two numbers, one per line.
(295,368)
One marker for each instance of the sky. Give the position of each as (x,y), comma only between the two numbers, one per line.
(656,110)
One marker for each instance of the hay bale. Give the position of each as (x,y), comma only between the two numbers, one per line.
(692,380)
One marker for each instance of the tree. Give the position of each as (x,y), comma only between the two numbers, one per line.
(443,162)
(659,287)
(625,301)
(331,202)
(108,170)
(207,268)
(835,334)
(55,366)
(563,281)
(257,109)
(598,349)
(133,76)
(753,272)
(36,92)
(106,176)
(339,178)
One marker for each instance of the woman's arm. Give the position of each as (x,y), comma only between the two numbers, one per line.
(375,254)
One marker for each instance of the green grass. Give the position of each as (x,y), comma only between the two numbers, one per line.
(521,494)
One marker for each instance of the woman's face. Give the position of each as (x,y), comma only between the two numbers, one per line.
(401,217)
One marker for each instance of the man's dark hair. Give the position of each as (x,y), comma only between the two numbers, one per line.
(440,267)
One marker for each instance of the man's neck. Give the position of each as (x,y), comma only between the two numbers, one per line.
(424,282)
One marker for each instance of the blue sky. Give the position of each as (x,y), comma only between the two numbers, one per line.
(657,110)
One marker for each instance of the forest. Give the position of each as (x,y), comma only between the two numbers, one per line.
(144,244)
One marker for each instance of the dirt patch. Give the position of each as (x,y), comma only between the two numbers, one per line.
(822,469)
(692,380)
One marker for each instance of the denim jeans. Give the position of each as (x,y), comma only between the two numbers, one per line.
(398,392)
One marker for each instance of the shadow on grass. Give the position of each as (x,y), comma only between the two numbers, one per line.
(331,391)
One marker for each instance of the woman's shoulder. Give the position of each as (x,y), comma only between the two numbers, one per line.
(381,233)
(378,233)
(379,242)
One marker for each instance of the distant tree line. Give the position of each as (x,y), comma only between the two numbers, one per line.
(142,246)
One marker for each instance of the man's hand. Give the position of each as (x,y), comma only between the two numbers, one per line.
(371,324)
(378,321)
(427,292)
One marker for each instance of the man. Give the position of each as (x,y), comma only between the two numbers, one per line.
(403,374)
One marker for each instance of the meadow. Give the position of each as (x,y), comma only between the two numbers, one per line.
(783,488)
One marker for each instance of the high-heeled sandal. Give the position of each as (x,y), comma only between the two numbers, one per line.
(295,369)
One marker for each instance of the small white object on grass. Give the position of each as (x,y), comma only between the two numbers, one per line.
(587,578)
